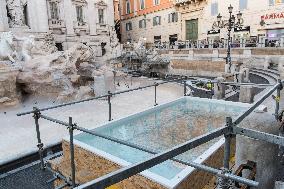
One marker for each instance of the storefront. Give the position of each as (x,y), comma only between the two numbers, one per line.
(273,24)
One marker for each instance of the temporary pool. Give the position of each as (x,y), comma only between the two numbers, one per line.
(160,128)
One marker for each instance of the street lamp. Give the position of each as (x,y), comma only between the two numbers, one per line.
(232,23)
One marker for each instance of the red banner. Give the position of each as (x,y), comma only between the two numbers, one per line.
(272,16)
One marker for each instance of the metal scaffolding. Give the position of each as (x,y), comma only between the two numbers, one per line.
(229,130)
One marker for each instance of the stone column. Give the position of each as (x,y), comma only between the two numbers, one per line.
(3,17)
(261,41)
(219,88)
(93,17)
(282,42)
(110,13)
(38,18)
(69,13)
(247,94)
(281,67)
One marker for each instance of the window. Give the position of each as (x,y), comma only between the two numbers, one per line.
(157,39)
(128,26)
(173,17)
(142,4)
(173,38)
(128,10)
(59,46)
(275,2)
(156,20)
(79,12)
(142,23)
(214,9)
(156,2)
(54,10)
(243,4)
(26,16)
(101,16)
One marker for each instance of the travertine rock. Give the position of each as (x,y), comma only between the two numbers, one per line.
(55,74)
(8,88)
(103,81)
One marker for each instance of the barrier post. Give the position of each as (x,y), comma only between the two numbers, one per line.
(109,106)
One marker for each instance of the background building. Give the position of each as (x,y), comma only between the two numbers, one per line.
(260,19)
(154,20)
(161,20)
(70,21)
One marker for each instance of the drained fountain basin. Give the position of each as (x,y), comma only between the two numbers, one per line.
(158,129)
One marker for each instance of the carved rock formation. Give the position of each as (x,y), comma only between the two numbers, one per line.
(55,74)
(9,95)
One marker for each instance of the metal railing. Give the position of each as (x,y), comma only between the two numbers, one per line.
(228,131)
(209,44)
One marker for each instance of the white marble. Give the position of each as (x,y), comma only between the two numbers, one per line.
(3,17)
(70,22)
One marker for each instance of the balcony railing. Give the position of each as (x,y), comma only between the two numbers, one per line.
(242,43)
(102,28)
(81,26)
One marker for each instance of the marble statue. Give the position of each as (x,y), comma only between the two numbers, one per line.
(27,45)
(48,44)
(16,13)
(6,46)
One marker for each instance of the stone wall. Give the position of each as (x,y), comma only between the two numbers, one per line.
(211,62)
(198,67)
(9,95)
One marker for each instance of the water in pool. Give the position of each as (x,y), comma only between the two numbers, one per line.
(163,129)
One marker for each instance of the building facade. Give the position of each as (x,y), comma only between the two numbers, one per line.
(261,20)
(70,21)
(153,20)
(116,10)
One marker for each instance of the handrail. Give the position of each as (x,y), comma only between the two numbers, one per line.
(191,164)
(228,131)
(130,90)
(257,103)
(94,98)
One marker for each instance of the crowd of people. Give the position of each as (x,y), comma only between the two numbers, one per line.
(217,43)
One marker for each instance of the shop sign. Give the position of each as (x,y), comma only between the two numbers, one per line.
(273,16)
(213,32)
(247,28)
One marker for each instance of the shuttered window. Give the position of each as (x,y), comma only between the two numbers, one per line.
(156,20)
(142,23)
(243,4)
(128,10)
(128,26)
(173,17)
(142,4)
(214,9)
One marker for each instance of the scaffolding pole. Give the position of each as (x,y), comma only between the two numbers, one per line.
(72,160)
(39,143)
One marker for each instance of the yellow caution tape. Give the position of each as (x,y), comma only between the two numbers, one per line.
(277,98)
(113,187)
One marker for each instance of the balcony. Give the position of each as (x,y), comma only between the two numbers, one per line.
(102,28)
(81,27)
(186,2)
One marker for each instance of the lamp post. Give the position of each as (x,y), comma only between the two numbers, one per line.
(232,23)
